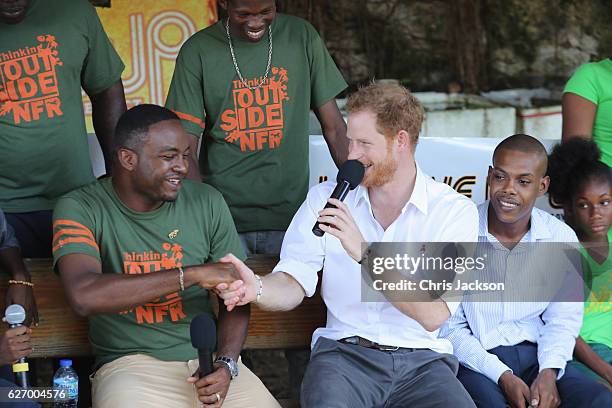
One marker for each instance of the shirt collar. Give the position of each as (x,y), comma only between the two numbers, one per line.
(538,229)
(418,198)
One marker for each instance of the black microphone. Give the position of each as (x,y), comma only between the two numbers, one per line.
(15,315)
(349,176)
(204,338)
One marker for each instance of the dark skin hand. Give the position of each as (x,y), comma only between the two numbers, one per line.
(107,107)
(15,344)
(208,387)
(232,330)
(11,261)
(516,391)
(544,393)
(87,288)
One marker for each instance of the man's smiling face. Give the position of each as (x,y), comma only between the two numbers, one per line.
(515,181)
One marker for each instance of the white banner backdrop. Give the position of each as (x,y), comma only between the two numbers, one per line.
(462,163)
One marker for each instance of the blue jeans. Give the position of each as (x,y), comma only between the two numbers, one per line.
(34,232)
(262,242)
(576,390)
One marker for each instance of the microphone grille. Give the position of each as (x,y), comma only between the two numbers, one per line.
(203,332)
(351,171)
(15,314)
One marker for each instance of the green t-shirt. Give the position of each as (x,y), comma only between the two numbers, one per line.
(195,229)
(255,146)
(593,81)
(597,323)
(44,60)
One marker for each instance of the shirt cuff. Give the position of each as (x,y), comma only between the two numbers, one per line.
(554,363)
(494,368)
(306,276)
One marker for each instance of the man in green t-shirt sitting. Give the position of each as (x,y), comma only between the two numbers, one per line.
(136,253)
(49,51)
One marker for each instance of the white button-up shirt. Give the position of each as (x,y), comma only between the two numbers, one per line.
(434,213)
(480,326)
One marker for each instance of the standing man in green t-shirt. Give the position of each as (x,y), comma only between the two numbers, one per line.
(48,51)
(136,253)
(245,85)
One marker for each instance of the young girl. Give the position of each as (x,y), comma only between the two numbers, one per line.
(582,183)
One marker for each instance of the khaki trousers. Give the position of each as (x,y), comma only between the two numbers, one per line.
(143,381)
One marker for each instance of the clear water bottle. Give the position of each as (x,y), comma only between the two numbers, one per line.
(66,379)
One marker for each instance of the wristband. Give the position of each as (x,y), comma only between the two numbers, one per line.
(259,288)
(181,278)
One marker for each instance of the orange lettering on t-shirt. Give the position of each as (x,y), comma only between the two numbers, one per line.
(160,312)
(244,98)
(31,65)
(247,142)
(11,70)
(274,113)
(169,307)
(47,83)
(228,120)
(262,139)
(29,88)
(256,117)
(256,121)
(21,112)
(37,109)
(275,138)
(242,119)
(262,96)
(176,311)
(144,314)
(53,106)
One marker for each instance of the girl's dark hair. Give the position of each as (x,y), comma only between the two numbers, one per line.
(571,165)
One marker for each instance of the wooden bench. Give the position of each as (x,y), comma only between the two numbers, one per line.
(62,333)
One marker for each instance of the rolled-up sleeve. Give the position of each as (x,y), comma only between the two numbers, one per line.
(303,253)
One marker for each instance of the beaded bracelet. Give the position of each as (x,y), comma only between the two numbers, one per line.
(20,282)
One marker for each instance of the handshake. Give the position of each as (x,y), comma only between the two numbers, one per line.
(230,279)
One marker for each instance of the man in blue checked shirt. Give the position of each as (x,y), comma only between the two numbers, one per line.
(515,353)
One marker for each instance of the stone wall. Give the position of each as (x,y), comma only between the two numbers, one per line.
(469,44)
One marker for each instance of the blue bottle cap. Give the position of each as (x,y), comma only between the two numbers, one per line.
(66,363)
